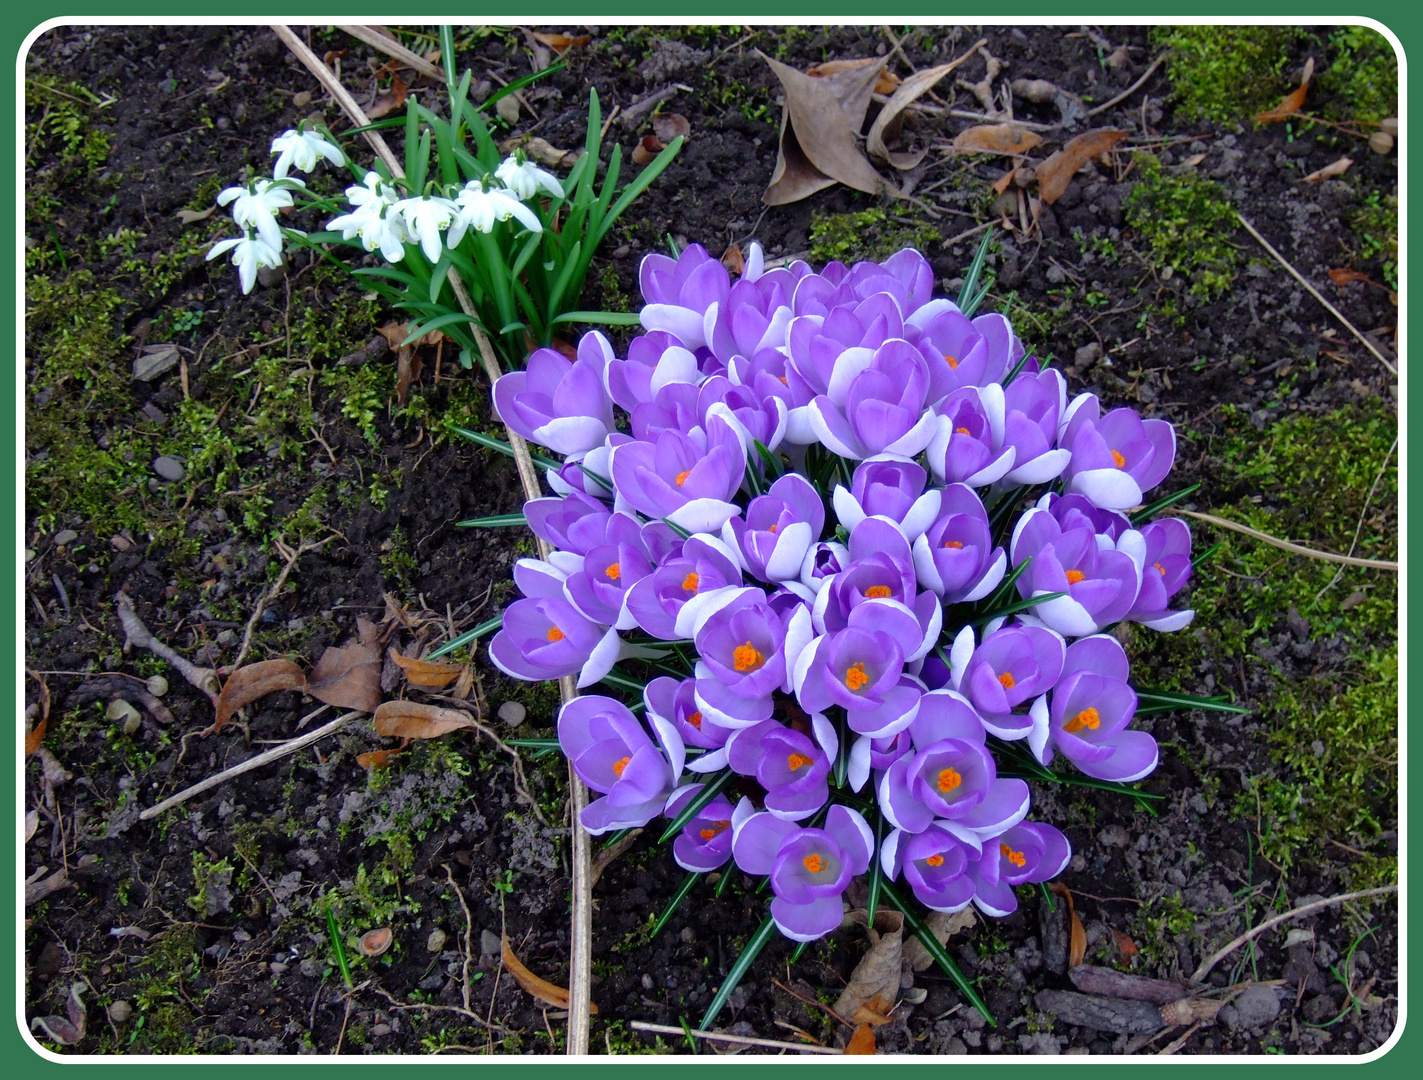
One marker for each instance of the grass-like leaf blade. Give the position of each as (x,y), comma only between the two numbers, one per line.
(693,808)
(1017,606)
(478,632)
(677,898)
(931,944)
(743,964)
(1189,701)
(494,521)
(1150,510)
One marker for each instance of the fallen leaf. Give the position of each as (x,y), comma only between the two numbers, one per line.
(1334,168)
(669,126)
(32,823)
(1192,161)
(348,677)
(943,927)
(464,684)
(253,681)
(1077,940)
(35,735)
(647,149)
(886,84)
(733,260)
(375,759)
(541,151)
(427,674)
(376,942)
(862,1042)
(818,133)
(388,102)
(1001,184)
(412,720)
(187,217)
(67,1032)
(1125,945)
(876,976)
(407,371)
(1293,103)
(1057,171)
(395,333)
(888,123)
(874,1012)
(996,139)
(539,988)
(560,43)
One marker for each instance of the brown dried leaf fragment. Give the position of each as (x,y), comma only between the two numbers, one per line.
(541,989)
(997,139)
(376,759)
(887,83)
(408,366)
(647,149)
(1077,941)
(890,121)
(412,720)
(251,682)
(1057,171)
(1125,945)
(862,1042)
(348,677)
(1291,104)
(734,260)
(876,976)
(392,99)
(35,735)
(1333,169)
(561,43)
(943,927)
(427,674)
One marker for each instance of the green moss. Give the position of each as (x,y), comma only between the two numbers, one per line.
(1375,225)
(61,130)
(868,234)
(1362,77)
(1226,73)
(1184,221)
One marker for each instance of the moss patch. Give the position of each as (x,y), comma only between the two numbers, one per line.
(1362,78)
(1226,73)
(1183,220)
(869,234)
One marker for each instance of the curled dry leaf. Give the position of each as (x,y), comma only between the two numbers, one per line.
(1333,169)
(887,83)
(253,681)
(1001,184)
(876,976)
(818,133)
(734,260)
(65,1031)
(1077,941)
(647,149)
(388,102)
(541,989)
(540,151)
(1125,945)
(376,759)
(187,217)
(669,126)
(35,735)
(407,370)
(862,1042)
(889,122)
(561,43)
(348,677)
(376,942)
(943,926)
(412,720)
(997,139)
(1291,104)
(1057,171)
(427,674)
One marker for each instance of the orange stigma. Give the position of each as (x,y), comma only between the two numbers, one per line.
(953,544)
(695,720)
(935,860)
(1160,569)
(620,765)
(784,382)
(555,634)
(747,658)
(855,676)
(962,431)
(795,761)
(689,583)
(1087,718)
(774,527)
(877,592)
(1117,457)
(682,476)
(814,863)
(614,572)
(952,361)
(1074,576)
(1007,680)
(1017,858)
(949,779)
(717,827)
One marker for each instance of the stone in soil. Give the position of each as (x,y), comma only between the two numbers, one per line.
(155,360)
(169,468)
(1255,1008)
(512,713)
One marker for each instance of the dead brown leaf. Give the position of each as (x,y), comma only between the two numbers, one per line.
(1343,276)
(1333,169)
(1057,171)
(561,43)
(464,684)
(876,976)
(392,99)
(187,217)
(734,260)
(412,720)
(1125,945)
(35,735)
(427,674)
(348,677)
(1291,104)
(997,139)
(818,128)
(862,1042)
(1192,161)
(1001,184)
(874,1012)
(648,147)
(943,926)
(541,989)
(890,121)
(407,370)
(543,152)
(394,333)
(376,759)
(253,681)
(1077,940)
(887,83)
(669,126)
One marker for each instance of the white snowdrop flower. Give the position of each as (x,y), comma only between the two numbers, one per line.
(300,149)
(256,208)
(480,209)
(377,228)
(426,217)
(248,253)
(525,179)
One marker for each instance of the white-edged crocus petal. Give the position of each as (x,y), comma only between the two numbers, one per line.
(602,659)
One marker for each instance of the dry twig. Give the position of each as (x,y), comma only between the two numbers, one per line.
(739,1040)
(291,557)
(136,635)
(1129,91)
(1285,545)
(388,45)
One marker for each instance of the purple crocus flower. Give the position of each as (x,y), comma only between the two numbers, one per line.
(674,406)
(546,638)
(702,566)
(882,411)
(975,353)
(1074,511)
(704,843)
(809,868)
(826,353)
(599,587)
(686,478)
(967,444)
(1032,405)
(861,670)
(822,562)
(754,317)
(558,404)
(888,489)
(743,644)
(1012,665)
(654,360)
(1101,582)
(955,557)
(678,292)
(588,473)
(906,276)
(1027,853)
(778,529)
(1117,457)
(613,754)
(674,702)
(1167,569)
(757,417)
(1091,707)
(936,864)
(792,767)
(575,523)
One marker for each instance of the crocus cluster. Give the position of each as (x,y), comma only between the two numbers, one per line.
(800,497)
(379,214)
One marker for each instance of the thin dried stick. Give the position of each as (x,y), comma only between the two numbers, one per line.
(291,557)
(388,45)
(1129,91)
(605,858)
(139,636)
(468,930)
(1285,545)
(255,762)
(1317,295)
(1359,528)
(1249,935)
(739,1040)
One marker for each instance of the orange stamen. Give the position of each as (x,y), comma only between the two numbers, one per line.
(949,779)
(953,544)
(747,658)
(795,761)
(774,527)
(877,592)
(620,765)
(962,431)
(555,634)
(813,863)
(717,827)
(1160,569)
(682,476)
(1087,718)
(1074,576)
(855,676)
(783,380)
(952,362)
(695,720)
(689,583)
(1117,457)
(1007,680)
(614,572)
(935,860)
(1017,858)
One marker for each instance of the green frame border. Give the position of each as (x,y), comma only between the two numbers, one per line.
(17,24)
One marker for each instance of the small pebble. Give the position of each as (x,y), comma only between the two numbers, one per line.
(688,935)
(647,983)
(436,941)
(380,1029)
(1255,1008)
(1381,142)
(227,637)
(157,686)
(512,713)
(277,968)
(489,944)
(508,109)
(125,715)
(63,539)
(120,1011)
(170,468)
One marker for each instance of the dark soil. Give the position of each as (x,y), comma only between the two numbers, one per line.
(226,948)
